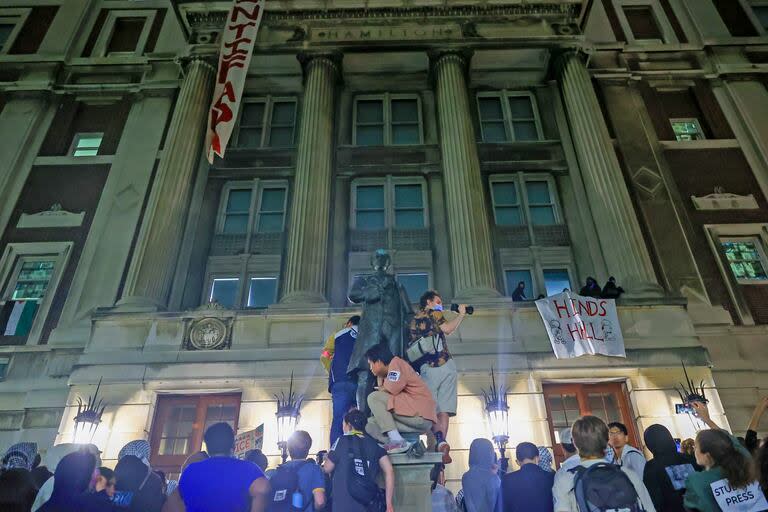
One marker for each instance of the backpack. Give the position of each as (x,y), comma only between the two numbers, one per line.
(284,483)
(604,487)
(360,485)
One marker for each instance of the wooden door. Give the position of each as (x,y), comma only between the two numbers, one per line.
(567,402)
(180,422)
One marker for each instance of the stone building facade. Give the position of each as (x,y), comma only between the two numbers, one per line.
(482,143)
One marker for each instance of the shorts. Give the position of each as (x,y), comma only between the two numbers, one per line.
(441,381)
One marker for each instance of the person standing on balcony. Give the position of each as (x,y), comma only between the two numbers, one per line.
(341,384)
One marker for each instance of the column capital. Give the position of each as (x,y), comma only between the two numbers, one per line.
(330,59)
(462,56)
(561,58)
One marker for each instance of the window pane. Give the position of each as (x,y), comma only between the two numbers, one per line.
(283,112)
(370,111)
(494,132)
(370,135)
(235,223)
(33,280)
(542,215)
(745,260)
(642,22)
(218,413)
(521,107)
(525,130)
(239,200)
(370,197)
(414,284)
(405,134)
(253,114)
(89,141)
(86,152)
(262,292)
(408,196)
(504,193)
(5,33)
(409,219)
(249,137)
(224,291)
(508,216)
(761,11)
(270,223)
(281,137)
(177,431)
(125,35)
(272,199)
(490,109)
(538,192)
(515,276)
(687,129)
(405,111)
(370,220)
(556,280)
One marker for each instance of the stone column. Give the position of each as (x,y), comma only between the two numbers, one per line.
(470,239)
(154,261)
(621,238)
(305,269)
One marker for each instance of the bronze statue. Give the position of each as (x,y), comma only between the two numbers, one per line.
(385,318)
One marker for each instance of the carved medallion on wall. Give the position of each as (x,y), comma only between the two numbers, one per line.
(209,333)
(54,217)
(721,200)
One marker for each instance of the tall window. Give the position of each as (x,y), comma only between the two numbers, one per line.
(267,122)
(746,259)
(388,119)
(31,278)
(642,23)
(125,32)
(11,22)
(520,199)
(415,283)
(687,129)
(389,203)
(253,207)
(508,116)
(260,291)
(538,281)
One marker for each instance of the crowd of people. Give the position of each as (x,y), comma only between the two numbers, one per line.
(590,289)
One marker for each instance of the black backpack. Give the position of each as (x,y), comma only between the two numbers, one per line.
(604,487)
(284,483)
(360,483)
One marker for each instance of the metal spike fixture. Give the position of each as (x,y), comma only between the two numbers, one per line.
(497,408)
(288,415)
(88,417)
(689,392)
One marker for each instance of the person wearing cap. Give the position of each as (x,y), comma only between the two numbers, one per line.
(21,456)
(572,458)
(530,487)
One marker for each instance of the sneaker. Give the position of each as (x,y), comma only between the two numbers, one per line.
(445,449)
(394,447)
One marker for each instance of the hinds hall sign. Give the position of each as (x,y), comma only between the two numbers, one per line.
(386,33)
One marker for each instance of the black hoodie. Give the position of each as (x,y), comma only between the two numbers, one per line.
(665,474)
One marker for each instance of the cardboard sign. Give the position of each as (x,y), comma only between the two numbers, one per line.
(237,40)
(251,440)
(746,499)
(579,325)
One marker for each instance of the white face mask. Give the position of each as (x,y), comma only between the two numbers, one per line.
(438,307)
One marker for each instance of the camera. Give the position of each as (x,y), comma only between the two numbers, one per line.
(455,309)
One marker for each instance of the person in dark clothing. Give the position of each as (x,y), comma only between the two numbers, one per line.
(665,474)
(106,482)
(750,439)
(40,475)
(17,490)
(257,457)
(610,290)
(137,487)
(761,467)
(341,385)
(76,475)
(591,289)
(530,487)
(518,295)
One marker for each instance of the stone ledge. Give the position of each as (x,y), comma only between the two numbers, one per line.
(413,488)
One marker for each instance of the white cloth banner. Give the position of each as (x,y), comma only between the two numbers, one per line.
(746,499)
(581,325)
(237,42)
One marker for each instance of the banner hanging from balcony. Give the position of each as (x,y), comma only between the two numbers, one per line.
(237,40)
(581,325)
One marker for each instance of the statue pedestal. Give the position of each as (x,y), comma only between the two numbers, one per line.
(413,488)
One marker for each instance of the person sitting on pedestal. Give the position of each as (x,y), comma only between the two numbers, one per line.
(402,403)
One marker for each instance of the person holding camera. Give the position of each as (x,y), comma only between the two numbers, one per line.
(437,369)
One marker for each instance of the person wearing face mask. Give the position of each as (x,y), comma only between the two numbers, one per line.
(438,370)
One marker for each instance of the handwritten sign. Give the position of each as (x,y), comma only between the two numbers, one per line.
(237,40)
(746,499)
(251,440)
(579,325)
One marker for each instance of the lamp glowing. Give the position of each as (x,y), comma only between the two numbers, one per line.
(288,416)
(497,409)
(88,417)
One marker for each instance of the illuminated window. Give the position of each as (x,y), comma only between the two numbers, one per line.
(86,144)
(746,259)
(262,292)
(556,280)
(687,129)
